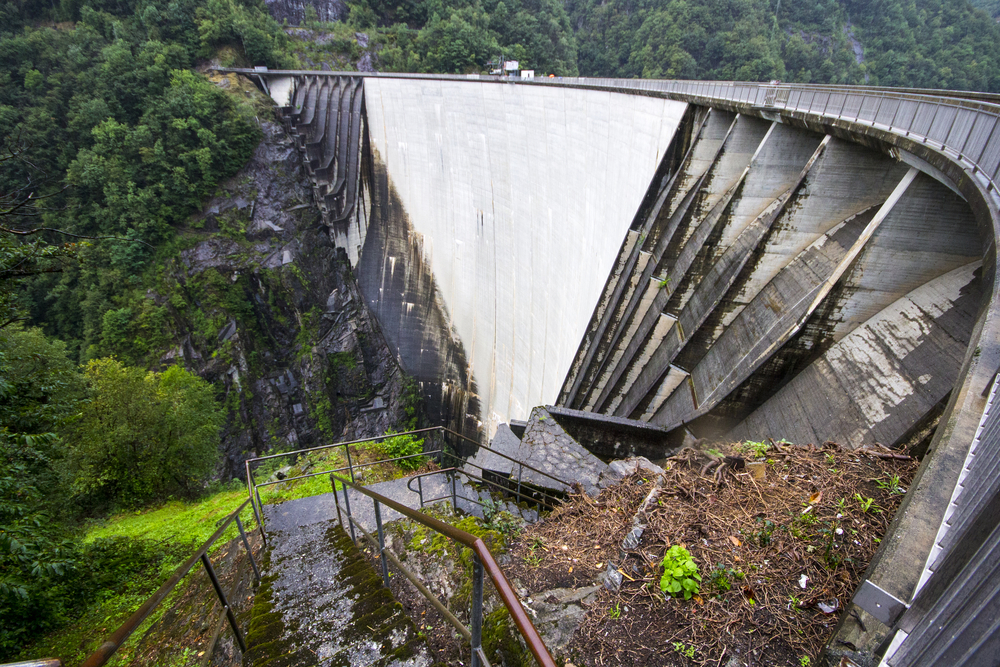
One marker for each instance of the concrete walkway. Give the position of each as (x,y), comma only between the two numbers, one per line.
(294,514)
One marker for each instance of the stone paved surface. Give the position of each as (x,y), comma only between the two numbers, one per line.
(547,447)
(504,442)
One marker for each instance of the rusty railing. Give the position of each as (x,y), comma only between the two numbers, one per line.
(482,561)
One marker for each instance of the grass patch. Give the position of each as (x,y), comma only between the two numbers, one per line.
(178,521)
(324,460)
(172,531)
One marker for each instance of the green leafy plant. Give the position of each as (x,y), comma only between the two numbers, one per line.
(892,485)
(683,649)
(500,520)
(722,577)
(762,536)
(614,613)
(829,533)
(801,526)
(680,573)
(403,445)
(865,503)
(756,450)
(804,661)
(534,555)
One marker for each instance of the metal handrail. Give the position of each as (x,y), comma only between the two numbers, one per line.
(356,467)
(253,487)
(521,467)
(453,472)
(375,438)
(483,560)
(118,637)
(513,460)
(520,474)
(448,616)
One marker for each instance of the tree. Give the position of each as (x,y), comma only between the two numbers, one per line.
(144,436)
(39,388)
(24,249)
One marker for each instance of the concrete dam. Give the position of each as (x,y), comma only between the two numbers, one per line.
(704,259)
(712,272)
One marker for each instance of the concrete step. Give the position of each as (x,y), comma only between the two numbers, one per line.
(321,603)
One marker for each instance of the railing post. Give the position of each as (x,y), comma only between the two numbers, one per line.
(258,510)
(225,603)
(347,507)
(476,617)
(454,494)
(520,471)
(260,519)
(350,466)
(336,499)
(381,543)
(246,543)
(930,126)
(968,134)
(420,490)
(895,114)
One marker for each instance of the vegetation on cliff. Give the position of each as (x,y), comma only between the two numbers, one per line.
(913,43)
(907,43)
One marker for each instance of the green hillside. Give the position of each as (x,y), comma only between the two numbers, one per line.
(910,43)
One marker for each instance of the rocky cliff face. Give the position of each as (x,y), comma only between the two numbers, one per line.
(263,305)
(294,11)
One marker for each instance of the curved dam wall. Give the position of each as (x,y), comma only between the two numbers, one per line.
(796,285)
(497,213)
(809,262)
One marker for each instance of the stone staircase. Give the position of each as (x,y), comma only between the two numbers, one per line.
(321,603)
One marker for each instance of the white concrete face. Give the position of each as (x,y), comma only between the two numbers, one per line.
(280,89)
(522,196)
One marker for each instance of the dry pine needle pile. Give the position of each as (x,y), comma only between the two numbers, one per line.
(781,536)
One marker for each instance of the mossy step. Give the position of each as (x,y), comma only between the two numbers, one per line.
(312,579)
(301,658)
(382,635)
(268,651)
(269,630)
(365,620)
(359,573)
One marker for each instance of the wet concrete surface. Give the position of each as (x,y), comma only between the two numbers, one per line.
(321,603)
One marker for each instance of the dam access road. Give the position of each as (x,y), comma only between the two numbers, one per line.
(716,259)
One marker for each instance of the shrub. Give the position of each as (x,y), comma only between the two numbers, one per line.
(143,436)
(403,445)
